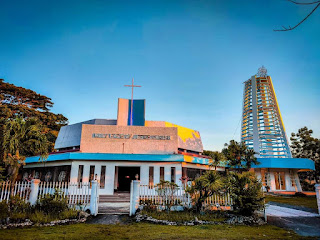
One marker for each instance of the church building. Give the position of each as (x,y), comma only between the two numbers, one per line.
(117,151)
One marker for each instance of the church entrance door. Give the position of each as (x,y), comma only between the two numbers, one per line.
(125,176)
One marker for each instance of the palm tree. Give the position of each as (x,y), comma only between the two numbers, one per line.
(217,158)
(22,138)
(239,156)
(246,192)
(205,186)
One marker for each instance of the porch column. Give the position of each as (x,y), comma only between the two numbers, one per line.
(178,175)
(74,172)
(167,173)
(144,174)
(86,172)
(109,185)
(288,181)
(297,180)
(272,181)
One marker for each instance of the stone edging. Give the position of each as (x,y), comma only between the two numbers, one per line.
(28,223)
(233,220)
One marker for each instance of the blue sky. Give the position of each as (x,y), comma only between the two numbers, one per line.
(191,57)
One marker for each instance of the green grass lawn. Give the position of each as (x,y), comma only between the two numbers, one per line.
(310,202)
(148,231)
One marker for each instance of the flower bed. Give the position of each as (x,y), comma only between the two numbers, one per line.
(188,218)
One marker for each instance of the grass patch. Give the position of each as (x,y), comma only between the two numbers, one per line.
(149,231)
(309,202)
(185,216)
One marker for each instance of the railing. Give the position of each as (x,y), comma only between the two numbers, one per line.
(159,196)
(21,189)
(76,193)
(177,196)
(219,200)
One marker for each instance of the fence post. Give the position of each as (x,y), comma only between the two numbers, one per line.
(33,197)
(134,196)
(94,198)
(317,187)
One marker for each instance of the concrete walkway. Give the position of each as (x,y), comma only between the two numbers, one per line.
(277,211)
(114,208)
(302,222)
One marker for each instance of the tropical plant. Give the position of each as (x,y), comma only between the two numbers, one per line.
(239,156)
(22,138)
(303,145)
(203,187)
(217,158)
(246,193)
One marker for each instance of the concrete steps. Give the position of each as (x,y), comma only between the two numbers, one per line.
(117,197)
(117,204)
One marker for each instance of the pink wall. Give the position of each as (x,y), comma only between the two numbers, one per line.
(106,144)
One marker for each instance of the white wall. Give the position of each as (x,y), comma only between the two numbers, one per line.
(110,172)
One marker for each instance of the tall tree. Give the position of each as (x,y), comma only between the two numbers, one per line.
(239,156)
(18,101)
(22,138)
(303,145)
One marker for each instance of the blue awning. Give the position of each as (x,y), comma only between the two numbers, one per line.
(294,163)
(119,157)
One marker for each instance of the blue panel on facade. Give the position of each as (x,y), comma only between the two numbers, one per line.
(138,116)
(293,163)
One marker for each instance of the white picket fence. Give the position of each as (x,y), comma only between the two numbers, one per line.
(7,189)
(77,194)
(154,195)
(158,196)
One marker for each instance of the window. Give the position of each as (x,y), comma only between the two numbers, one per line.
(80,173)
(91,176)
(161,173)
(265,177)
(280,181)
(173,174)
(103,176)
(151,176)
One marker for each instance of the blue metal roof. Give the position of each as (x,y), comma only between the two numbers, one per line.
(295,163)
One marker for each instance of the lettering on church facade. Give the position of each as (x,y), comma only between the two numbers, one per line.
(131,136)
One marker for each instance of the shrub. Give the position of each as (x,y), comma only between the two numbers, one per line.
(52,203)
(18,205)
(184,216)
(18,216)
(41,217)
(246,193)
(69,214)
(307,186)
(4,210)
